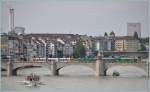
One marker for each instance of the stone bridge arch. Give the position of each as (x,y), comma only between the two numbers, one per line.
(63,65)
(141,65)
(90,65)
(15,70)
(17,66)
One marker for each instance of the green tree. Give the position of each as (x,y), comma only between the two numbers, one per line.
(112,34)
(79,50)
(143,48)
(105,34)
(143,42)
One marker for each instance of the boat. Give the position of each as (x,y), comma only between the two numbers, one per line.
(115,73)
(31,80)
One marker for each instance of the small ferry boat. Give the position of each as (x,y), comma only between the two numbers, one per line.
(32,80)
(115,73)
(32,77)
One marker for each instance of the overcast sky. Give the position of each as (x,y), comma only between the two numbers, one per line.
(91,18)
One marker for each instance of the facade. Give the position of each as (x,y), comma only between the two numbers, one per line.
(132,45)
(132,28)
(4,46)
(87,42)
(50,45)
(12,46)
(50,49)
(127,43)
(19,30)
(106,43)
(120,44)
(68,50)
(29,46)
(99,43)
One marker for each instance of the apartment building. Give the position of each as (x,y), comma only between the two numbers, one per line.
(126,43)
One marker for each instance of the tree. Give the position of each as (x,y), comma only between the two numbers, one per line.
(143,42)
(79,50)
(112,33)
(135,35)
(143,48)
(105,34)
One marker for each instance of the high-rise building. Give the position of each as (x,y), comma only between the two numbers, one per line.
(132,28)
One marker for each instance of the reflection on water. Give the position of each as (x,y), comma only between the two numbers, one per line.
(75,79)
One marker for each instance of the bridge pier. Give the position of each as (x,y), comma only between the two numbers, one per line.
(54,69)
(100,71)
(9,69)
(57,72)
(14,73)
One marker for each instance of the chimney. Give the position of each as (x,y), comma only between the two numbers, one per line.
(11,19)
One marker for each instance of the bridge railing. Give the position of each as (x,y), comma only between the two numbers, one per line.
(85,60)
(126,61)
(51,59)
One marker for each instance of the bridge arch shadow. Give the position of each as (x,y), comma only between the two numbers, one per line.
(31,66)
(15,71)
(76,70)
(127,71)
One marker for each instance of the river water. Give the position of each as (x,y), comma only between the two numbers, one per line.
(79,79)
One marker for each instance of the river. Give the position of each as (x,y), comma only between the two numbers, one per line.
(78,79)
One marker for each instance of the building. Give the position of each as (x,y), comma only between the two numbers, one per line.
(116,43)
(12,46)
(50,45)
(30,48)
(106,43)
(87,42)
(126,43)
(4,46)
(51,49)
(19,30)
(132,28)
(120,44)
(67,50)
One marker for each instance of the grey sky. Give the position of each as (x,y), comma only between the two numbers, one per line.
(91,18)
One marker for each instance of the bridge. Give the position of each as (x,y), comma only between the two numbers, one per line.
(100,66)
(141,54)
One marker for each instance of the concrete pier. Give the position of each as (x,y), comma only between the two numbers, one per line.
(99,66)
(9,69)
(54,69)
